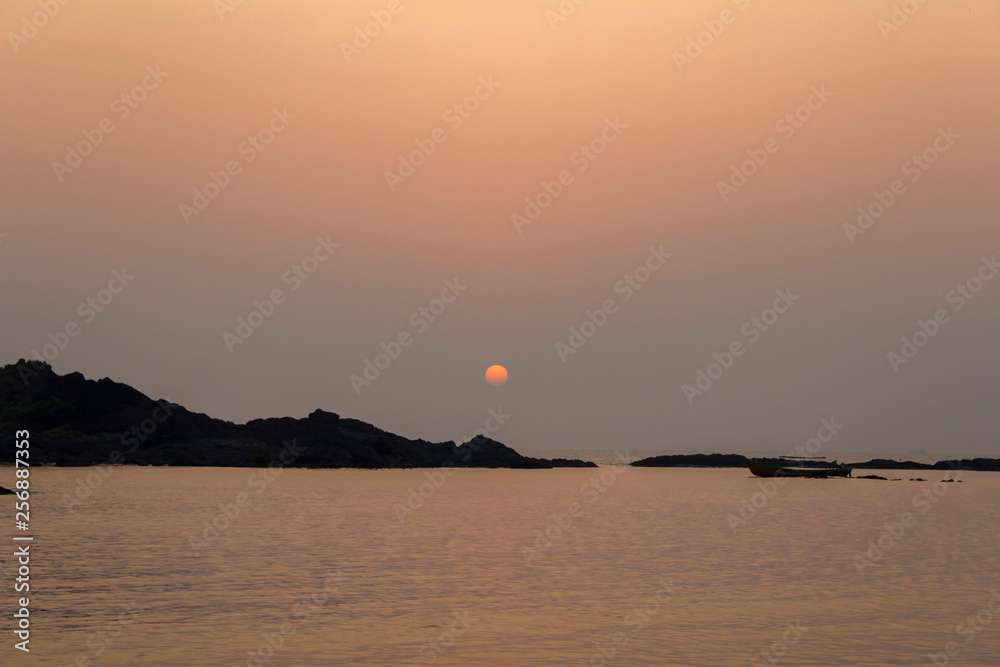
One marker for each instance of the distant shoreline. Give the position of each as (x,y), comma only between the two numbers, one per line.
(663,461)
(76,422)
(740,461)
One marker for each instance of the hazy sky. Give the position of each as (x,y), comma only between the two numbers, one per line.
(630,122)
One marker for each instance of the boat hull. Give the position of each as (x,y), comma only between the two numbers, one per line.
(762,470)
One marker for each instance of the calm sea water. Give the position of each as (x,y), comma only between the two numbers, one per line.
(654,569)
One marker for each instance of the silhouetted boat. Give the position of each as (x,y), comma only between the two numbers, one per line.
(768,470)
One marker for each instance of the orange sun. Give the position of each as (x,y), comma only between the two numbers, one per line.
(496,375)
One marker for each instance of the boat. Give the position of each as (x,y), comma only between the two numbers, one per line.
(768,470)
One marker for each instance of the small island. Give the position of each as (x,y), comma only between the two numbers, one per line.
(740,461)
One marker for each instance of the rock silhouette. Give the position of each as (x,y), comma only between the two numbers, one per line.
(74,421)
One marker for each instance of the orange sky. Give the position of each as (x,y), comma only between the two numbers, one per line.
(680,133)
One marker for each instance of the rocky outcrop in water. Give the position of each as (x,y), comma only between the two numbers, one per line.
(74,421)
(693,461)
(739,461)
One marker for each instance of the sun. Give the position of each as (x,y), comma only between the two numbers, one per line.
(496,375)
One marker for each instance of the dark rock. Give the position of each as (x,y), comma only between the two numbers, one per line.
(324,417)
(983,465)
(693,461)
(78,422)
(870,477)
(738,461)
(889,464)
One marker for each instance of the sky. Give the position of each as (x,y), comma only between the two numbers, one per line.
(681,227)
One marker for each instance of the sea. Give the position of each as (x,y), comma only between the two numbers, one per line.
(612,565)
